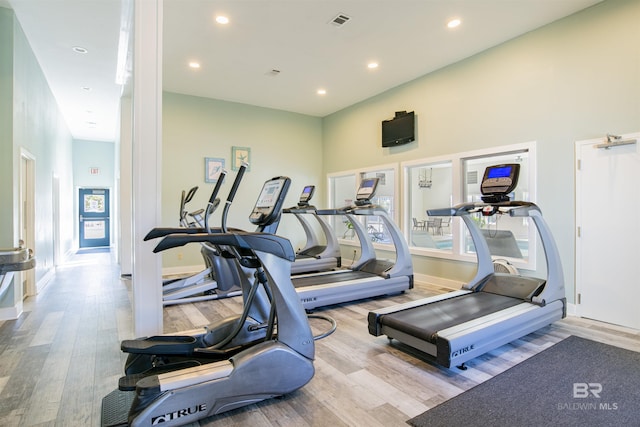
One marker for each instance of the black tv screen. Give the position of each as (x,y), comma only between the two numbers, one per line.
(399,130)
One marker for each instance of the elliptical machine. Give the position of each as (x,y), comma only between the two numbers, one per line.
(235,370)
(203,285)
(156,354)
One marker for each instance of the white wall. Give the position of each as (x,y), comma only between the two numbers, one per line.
(574,79)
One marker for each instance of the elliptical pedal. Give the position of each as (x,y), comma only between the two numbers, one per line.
(115,408)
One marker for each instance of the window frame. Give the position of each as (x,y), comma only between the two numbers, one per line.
(356,173)
(457,226)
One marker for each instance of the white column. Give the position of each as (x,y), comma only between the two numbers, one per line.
(147,165)
(125,234)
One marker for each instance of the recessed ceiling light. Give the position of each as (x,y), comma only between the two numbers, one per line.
(220,19)
(454,23)
(372,65)
(194,65)
(86,88)
(321,92)
(79,49)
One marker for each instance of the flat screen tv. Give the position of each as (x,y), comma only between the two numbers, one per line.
(399,130)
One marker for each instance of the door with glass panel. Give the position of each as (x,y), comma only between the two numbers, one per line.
(94,221)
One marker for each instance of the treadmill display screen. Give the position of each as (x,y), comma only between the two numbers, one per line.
(367,188)
(500,180)
(307,193)
(499,172)
(269,194)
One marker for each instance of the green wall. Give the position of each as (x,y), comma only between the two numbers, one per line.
(7,238)
(281,143)
(40,129)
(90,154)
(575,79)
(35,125)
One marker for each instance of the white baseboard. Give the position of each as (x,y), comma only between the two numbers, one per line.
(572,309)
(67,255)
(45,280)
(11,313)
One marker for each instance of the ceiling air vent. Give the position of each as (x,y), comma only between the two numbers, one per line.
(340,20)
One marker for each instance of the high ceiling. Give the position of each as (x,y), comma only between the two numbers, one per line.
(272,53)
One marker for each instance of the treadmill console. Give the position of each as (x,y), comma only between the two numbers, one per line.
(307,194)
(366,191)
(498,181)
(269,204)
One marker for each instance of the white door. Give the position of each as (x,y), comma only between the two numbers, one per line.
(608,237)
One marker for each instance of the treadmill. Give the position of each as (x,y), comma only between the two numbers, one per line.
(493,308)
(368,276)
(314,257)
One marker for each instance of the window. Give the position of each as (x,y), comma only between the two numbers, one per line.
(508,237)
(444,182)
(342,193)
(429,186)
(343,187)
(385,197)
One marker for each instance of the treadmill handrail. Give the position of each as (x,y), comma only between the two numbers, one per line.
(366,209)
(513,207)
(306,209)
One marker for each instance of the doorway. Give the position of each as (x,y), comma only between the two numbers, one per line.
(26,217)
(608,232)
(94,219)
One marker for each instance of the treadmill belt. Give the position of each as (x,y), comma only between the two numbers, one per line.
(425,321)
(324,279)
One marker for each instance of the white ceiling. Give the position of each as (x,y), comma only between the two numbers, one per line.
(408,38)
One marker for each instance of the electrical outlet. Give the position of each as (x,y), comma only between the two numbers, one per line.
(180,256)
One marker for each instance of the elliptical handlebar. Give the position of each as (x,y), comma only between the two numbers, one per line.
(186,198)
(212,199)
(232,194)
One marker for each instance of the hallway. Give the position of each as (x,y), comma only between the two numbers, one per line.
(61,356)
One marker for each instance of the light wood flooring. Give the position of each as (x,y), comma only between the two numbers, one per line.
(62,356)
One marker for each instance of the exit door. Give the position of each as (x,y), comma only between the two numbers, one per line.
(94,217)
(607,253)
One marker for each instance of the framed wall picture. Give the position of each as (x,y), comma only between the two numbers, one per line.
(212,168)
(240,155)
